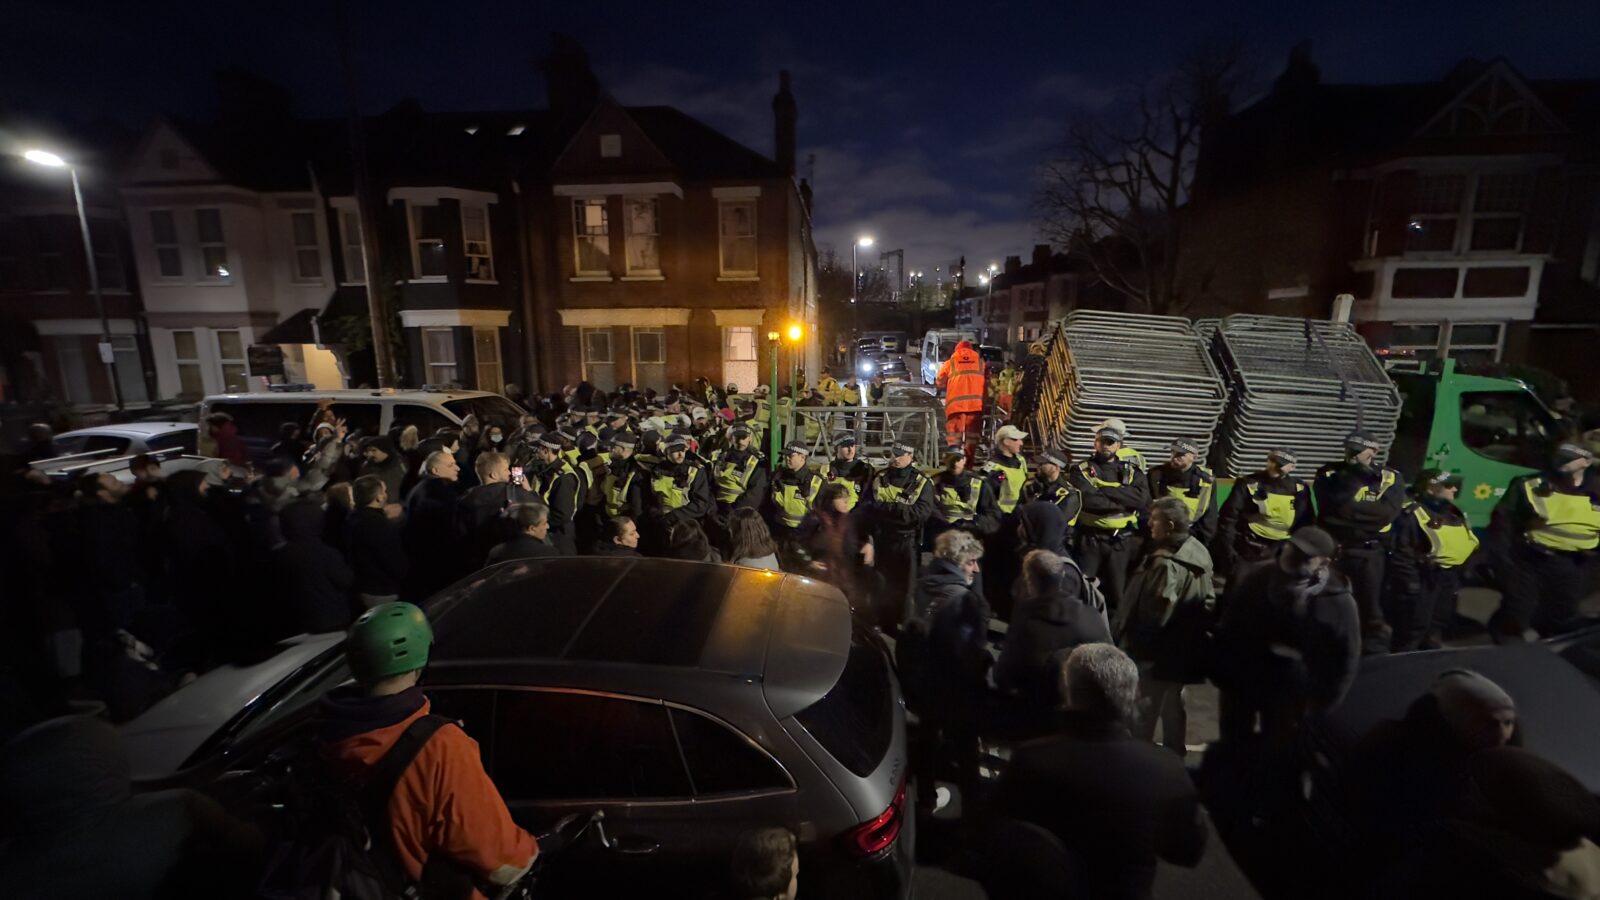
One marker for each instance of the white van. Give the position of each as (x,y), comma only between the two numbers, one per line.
(370,412)
(937,346)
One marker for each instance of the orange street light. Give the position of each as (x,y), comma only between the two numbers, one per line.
(796,333)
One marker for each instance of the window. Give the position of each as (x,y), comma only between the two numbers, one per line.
(130,369)
(854,721)
(741,343)
(439,355)
(722,761)
(164,235)
(307,251)
(1476,342)
(186,353)
(599,363)
(427,419)
(1425,283)
(610,145)
(1416,341)
(548,745)
(486,355)
(1496,281)
(738,230)
(107,257)
(183,441)
(230,356)
(475,233)
(486,409)
(644,227)
(213,249)
(1497,210)
(355,265)
(1467,342)
(650,358)
(427,242)
(1508,426)
(592,235)
(74,365)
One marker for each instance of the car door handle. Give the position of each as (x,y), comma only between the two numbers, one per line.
(634,844)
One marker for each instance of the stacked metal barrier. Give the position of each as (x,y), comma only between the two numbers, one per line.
(1152,372)
(1299,384)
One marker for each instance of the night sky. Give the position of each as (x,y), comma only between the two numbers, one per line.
(925,119)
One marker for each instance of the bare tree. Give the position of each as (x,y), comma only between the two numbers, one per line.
(1113,193)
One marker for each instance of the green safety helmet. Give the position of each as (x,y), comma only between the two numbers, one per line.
(387,640)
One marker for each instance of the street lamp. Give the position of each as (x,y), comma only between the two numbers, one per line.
(107,355)
(772,401)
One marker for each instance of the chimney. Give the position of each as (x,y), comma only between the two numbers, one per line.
(784,115)
(569,82)
(1013,265)
(1041,256)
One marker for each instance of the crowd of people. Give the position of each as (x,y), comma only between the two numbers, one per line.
(1103,586)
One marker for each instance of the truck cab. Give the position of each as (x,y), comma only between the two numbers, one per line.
(1491,430)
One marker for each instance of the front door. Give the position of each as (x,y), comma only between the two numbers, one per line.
(739,365)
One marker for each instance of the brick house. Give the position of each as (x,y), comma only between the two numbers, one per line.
(1462,214)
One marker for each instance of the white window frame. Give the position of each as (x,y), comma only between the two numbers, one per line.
(202,245)
(629,234)
(498,383)
(484,254)
(430,364)
(176,245)
(241,361)
(1473,216)
(350,247)
(582,236)
(416,245)
(1466,215)
(633,339)
(586,361)
(753,237)
(196,361)
(314,248)
(1446,346)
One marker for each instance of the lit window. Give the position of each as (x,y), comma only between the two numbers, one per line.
(475,232)
(186,353)
(439,355)
(213,248)
(427,242)
(737,227)
(599,363)
(592,236)
(486,355)
(230,356)
(644,256)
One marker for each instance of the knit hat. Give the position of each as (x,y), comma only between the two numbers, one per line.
(1469,704)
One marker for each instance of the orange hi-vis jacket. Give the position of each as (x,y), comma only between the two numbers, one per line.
(961,377)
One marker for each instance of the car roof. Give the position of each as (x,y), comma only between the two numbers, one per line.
(787,633)
(313,396)
(133,429)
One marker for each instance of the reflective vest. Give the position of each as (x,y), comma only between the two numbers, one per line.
(1567,522)
(829,386)
(792,500)
(1200,500)
(585,470)
(671,494)
(571,456)
(1448,545)
(885,492)
(1007,382)
(1058,496)
(616,490)
(1094,520)
(593,429)
(549,482)
(957,507)
(852,488)
(964,390)
(1013,478)
(1128,454)
(1385,482)
(1274,514)
(733,477)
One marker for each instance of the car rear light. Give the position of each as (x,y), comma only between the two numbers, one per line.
(878,834)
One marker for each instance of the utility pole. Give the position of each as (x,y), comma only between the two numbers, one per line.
(368,211)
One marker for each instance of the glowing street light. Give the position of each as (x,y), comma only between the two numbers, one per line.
(796,332)
(44,158)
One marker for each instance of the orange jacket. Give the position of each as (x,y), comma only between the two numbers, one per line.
(961,378)
(444,803)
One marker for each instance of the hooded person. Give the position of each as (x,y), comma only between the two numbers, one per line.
(75,830)
(313,579)
(383,459)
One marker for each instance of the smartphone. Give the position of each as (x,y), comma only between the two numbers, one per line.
(516,473)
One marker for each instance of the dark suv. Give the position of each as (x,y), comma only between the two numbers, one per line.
(688,701)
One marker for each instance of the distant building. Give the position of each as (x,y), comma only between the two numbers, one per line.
(1462,214)
(892,263)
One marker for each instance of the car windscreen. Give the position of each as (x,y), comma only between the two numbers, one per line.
(854,721)
(991,354)
(487,408)
(946,348)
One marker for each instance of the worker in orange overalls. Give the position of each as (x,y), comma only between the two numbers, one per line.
(961,379)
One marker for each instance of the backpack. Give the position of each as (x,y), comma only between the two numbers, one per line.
(1093,596)
(339,844)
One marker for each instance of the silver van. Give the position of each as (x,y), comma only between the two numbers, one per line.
(260,417)
(937,346)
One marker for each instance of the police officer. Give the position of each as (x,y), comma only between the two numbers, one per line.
(1357,502)
(1115,494)
(1182,478)
(616,420)
(741,473)
(1050,484)
(1545,530)
(846,470)
(1263,510)
(794,489)
(961,499)
(562,489)
(1124,452)
(1007,472)
(898,502)
(1432,541)
(828,387)
(622,488)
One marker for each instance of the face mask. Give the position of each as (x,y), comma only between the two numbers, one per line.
(495,438)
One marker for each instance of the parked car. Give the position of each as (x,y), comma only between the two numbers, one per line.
(130,438)
(259,417)
(688,701)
